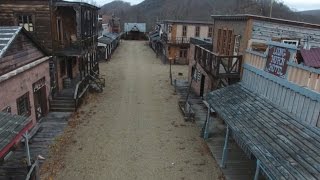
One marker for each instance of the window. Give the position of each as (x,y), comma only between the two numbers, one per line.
(59,29)
(184,31)
(210,32)
(291,42)
(197,34)
(23,105)
(170,29)
(183,53)
(26,21)
(62,64)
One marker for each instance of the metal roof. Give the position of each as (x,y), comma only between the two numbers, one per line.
(11,126)
(311,57)
(188,22)
(244,17)
(7,35)
(141,27)
(108,38)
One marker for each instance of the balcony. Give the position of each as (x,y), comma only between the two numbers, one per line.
(219,66)
(177,41)
(75,47)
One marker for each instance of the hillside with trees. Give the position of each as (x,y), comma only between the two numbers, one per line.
(150,11)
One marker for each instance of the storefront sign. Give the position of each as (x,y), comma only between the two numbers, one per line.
(39,84)
(277,61)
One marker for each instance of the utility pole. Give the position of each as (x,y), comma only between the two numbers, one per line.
(271,5)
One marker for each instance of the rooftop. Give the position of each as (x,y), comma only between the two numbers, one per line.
(72,3)
(187,22)
(7,35)
(11,127)
(311,57)
(244,17)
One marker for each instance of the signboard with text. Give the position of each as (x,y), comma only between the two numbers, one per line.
(277,61)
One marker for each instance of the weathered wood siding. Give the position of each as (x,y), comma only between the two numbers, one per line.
(40,11)
(275,31)
(20,52)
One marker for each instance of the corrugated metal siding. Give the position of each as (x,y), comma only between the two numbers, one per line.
(305,109)
(268,30)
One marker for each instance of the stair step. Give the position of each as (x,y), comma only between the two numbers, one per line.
(62,109)
(63,98)
(62,106)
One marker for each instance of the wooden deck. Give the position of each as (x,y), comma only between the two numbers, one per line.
(238,166)
(285,147)
(50,127)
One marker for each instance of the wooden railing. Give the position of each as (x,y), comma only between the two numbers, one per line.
(178,40)
(81,87)
(218,65)
(299,74)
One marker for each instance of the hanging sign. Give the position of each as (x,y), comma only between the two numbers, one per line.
(277,61)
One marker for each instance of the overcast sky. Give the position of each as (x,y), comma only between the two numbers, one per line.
(294,4)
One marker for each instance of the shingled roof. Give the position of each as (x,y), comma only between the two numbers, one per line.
(311,57)
(7,35)
(11,128)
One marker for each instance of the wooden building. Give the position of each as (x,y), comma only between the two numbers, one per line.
(233,33)
(24,74)
(176,38)
(107,44)
(135,31)
(69,32)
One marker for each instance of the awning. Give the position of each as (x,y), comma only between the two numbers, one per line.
(12,127)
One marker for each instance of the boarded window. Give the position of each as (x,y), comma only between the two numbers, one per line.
(197,34)
(23,105)
(26,21)
(184,31)
(183,53)
(210,32)
(225,42)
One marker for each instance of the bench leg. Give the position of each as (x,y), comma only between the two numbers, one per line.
(206,127)
(256,175)
(225,149)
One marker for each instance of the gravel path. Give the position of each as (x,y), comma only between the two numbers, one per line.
(134,129)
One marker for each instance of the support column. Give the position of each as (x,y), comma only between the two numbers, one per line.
(26,138)
(225,149)
(256,175)
(207,125)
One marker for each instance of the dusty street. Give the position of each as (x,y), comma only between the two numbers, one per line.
(135,129)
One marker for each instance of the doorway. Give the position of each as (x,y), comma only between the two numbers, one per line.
(40,99)
(203,80)
(69,68)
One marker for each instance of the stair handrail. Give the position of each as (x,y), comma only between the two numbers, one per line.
(80,89)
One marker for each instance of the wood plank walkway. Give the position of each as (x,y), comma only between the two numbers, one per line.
(50,127)
(238,166)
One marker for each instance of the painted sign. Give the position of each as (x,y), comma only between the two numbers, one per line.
(39,84)
(277,61)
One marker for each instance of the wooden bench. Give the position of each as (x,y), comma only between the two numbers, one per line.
(284,147)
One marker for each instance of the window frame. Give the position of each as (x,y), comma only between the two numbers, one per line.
(26,110)
(210,32)
(184,31)
(197,31)
(20,21)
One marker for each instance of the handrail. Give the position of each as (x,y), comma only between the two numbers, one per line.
(33,169)
(80,89)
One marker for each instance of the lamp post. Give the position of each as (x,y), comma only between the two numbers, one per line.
(170,76)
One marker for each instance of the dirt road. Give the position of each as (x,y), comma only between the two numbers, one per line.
(134,129)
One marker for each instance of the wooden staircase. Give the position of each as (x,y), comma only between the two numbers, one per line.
(63,102)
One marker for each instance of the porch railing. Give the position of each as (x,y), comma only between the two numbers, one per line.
(178,40)
(220,66)
(81,88)
(299,74)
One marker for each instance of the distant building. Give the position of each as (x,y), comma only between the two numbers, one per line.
(111,24)
(176,35)
(107,44)
(24,75)
(135,31)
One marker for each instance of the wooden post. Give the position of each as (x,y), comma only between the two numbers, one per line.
(256,175)
(206,128)
(26,138)
(170,76)
(225,149)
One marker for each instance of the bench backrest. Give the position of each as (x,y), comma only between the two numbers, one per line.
(277,76)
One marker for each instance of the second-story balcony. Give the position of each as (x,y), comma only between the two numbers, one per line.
(74,47)
(177,40)
(219,66)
